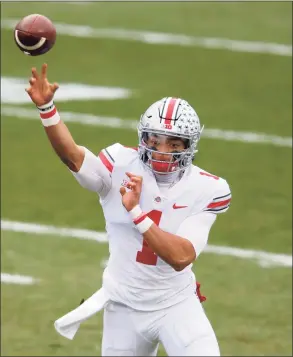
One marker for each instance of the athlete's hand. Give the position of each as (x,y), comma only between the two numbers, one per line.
(40,90)
(131,198)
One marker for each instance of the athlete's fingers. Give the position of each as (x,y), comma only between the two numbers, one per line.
(122,191)
(54,87)
(44,70)
(131,185)
(28,90)
(32,81)
(136,179)
(130,174)
(133,177)
(35,73)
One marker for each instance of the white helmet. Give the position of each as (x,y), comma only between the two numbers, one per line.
(169,117)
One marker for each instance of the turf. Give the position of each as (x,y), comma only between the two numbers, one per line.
(249,306)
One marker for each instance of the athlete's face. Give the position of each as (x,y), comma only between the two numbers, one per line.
(164,144)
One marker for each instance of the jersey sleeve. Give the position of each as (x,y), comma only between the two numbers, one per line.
(95,171)
(220,201)
(196,229)
(108,155)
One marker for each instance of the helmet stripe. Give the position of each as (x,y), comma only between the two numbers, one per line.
(175,111)
(170,110)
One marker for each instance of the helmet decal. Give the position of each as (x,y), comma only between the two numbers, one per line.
(169,111)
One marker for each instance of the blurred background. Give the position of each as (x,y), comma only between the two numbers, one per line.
(112,60)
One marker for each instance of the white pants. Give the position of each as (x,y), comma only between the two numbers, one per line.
(183,330)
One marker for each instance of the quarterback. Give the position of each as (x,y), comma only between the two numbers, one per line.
(159,209)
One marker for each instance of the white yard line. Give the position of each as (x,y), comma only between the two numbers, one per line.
(13,93)
(159,38)
(17,279)
(36,228)
(264,259)
(111,122)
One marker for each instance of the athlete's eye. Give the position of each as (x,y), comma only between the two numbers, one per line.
(154,142)
(175,145)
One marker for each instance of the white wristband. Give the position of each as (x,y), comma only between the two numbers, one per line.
(135,212)
(140,219)
(46,106)
(49,114)
(144,225)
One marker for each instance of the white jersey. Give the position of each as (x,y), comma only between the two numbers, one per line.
(136,276)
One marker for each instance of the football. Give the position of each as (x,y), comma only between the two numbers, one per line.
(35,35)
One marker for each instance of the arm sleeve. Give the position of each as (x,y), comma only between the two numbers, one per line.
(221,198)
(196,229)
(94,174)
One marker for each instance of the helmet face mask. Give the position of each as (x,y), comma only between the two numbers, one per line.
(171,160)
(169,118)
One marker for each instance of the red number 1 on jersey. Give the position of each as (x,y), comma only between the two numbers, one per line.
(146,255)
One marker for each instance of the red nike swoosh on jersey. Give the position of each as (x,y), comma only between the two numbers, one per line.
(176,207)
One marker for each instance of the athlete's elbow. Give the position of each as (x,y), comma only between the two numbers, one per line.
(70,164)
(72,157)
(178,267)
(182,263)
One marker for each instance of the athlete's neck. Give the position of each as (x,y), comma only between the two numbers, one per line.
(168,179)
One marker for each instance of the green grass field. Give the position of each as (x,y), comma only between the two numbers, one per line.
(249,306)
